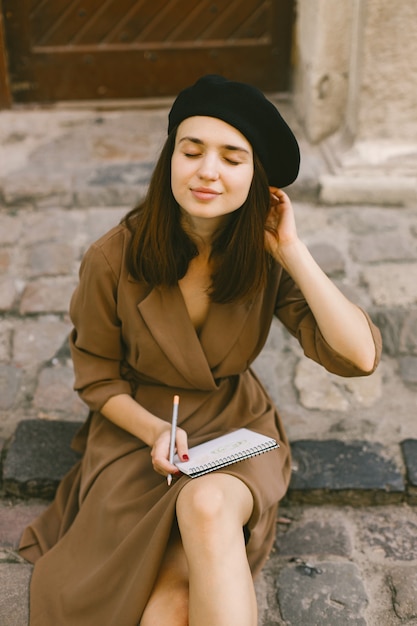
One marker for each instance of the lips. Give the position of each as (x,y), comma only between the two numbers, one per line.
(204,193)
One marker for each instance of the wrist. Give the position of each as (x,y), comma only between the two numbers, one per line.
(159,428)
(290,253)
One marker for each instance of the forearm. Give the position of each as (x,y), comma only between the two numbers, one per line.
(126,413)
(342,323)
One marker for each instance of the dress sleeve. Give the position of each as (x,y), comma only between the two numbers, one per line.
(293,311)
(95,341)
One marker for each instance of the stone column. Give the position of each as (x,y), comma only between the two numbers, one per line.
(322,57)
(355,91)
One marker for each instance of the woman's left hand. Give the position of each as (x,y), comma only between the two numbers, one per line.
(280,228)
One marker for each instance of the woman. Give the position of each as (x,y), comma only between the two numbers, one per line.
(178,299)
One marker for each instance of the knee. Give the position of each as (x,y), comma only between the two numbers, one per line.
(203,509)
(201,504)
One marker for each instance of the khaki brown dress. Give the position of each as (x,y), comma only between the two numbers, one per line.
(98,547)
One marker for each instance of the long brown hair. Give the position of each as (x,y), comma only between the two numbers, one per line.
(160,250)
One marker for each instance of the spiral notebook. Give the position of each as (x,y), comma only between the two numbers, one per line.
(224,450)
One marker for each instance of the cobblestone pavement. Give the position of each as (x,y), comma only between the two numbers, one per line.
(346,548)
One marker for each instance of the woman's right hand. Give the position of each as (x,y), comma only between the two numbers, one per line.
(160,451)
(125,412)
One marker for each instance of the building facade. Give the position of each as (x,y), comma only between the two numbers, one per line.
(350,67)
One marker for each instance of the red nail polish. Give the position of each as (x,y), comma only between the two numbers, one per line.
(185,457)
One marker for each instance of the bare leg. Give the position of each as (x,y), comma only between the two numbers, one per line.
(168,603)
(211,512)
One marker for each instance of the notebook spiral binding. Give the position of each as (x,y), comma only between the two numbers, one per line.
(233,458)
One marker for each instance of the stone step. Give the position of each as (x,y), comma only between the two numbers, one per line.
(324,471)
(337,472)
(37,457)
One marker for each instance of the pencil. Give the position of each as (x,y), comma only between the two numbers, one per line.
(173,434)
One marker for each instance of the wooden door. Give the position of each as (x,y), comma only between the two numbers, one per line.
(5,96)
(105,49)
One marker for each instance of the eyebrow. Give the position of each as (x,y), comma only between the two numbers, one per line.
(228,147)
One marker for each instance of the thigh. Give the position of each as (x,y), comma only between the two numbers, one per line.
(168,602)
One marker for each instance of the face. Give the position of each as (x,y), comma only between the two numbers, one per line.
(211,168)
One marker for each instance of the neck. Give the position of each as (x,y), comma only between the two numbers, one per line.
(202,231)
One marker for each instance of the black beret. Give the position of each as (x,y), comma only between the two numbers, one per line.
(247,109)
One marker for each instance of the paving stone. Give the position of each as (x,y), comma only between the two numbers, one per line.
(409,450)
(24,186)
(306,187)
(38,457)
(390,533)
(52,225)
(51,259)
(377,220)
(403,583)
(38,340)
(14,596)
(408,369)
(109,196)
(317,389)
(100,220)
(5,261)
(335,471)
(322,390)
(329,258)
(10,229)
(408,335)
(390,322)
(63,355)
(262,589)
(55,391)
(10,377)
(48,295)
(383,247)
(14,517)
(364,391)
(8,293)
(322,594)
(130,174)
(392,284)
(63,199)
(314,537)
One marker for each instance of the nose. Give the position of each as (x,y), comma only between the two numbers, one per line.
(208,167)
